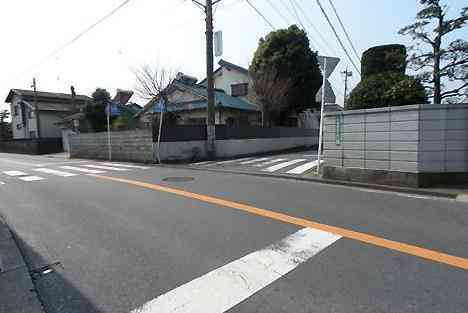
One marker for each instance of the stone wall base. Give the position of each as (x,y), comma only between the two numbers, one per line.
(393,178)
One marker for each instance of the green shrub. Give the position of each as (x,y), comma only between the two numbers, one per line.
(386,58)
(386,89)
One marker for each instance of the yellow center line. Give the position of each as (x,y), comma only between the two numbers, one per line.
(347,233)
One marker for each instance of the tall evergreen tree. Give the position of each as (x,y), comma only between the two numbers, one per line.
(442,67)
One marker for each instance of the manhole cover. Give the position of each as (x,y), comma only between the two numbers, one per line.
(178,179)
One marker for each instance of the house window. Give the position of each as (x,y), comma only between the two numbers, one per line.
(15,110)
(239,90)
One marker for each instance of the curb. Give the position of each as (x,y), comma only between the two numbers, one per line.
(407,190)
(19,294)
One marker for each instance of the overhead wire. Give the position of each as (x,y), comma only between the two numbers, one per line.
(76,37)
(260,14)
(344,29)
(275,8)
(338,37)
(329,49)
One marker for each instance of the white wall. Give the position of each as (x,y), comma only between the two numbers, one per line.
(17,119)
(225,78)
(47,120)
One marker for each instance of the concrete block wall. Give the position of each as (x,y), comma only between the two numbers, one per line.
(410,139)
(137,146)
(126,146)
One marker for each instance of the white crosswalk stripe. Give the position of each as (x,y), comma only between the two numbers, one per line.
(110,168)
(126,165)
(254,161)
(31,178)
(203,163)
(277,167)
(270,162)
(232,161)
(225,287)
(82,170)
(54,172)
(14,173)
(304,167)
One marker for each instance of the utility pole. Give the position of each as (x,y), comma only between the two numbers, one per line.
(36,108)
(346,75)
(210,128)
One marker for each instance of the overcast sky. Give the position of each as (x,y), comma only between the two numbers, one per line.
(171,33)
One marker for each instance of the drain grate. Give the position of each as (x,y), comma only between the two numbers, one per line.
(178,179)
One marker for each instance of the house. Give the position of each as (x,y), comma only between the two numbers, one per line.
(35,114)
(234,80)
(188,105)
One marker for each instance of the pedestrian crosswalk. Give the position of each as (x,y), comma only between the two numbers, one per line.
(37,174)
(284,164)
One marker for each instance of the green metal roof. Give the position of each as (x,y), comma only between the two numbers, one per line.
(221,100)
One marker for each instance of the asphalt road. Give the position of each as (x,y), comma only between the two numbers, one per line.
(128,241)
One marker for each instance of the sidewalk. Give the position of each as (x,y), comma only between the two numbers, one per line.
(17,293)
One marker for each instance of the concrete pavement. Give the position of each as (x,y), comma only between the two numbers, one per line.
(16,287)
(121,246)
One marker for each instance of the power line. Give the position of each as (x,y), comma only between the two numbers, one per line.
(278,11)
(260,13)
(78,36)
(338,37)
(295,13)
(326,44)
(344,29)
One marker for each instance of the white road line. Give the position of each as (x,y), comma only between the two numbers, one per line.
(127,165)
(15,173)
(227,286)
(110,168)
(2,183)
(31,178)
(54,172)
(255,161)
(83,170)
(203,163)
(304,167)
(233,161)
(277,167)
(270,162)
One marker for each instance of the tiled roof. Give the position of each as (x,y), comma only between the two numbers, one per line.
(221,100)
(44,94)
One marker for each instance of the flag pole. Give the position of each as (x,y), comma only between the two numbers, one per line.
(319,152)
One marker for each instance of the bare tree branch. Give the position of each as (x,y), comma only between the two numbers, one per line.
(152,80)
(271,92)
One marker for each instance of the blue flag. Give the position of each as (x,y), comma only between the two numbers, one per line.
(159,107)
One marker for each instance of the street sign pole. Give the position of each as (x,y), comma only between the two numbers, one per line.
(319,152)
(108,133)
(159,134)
